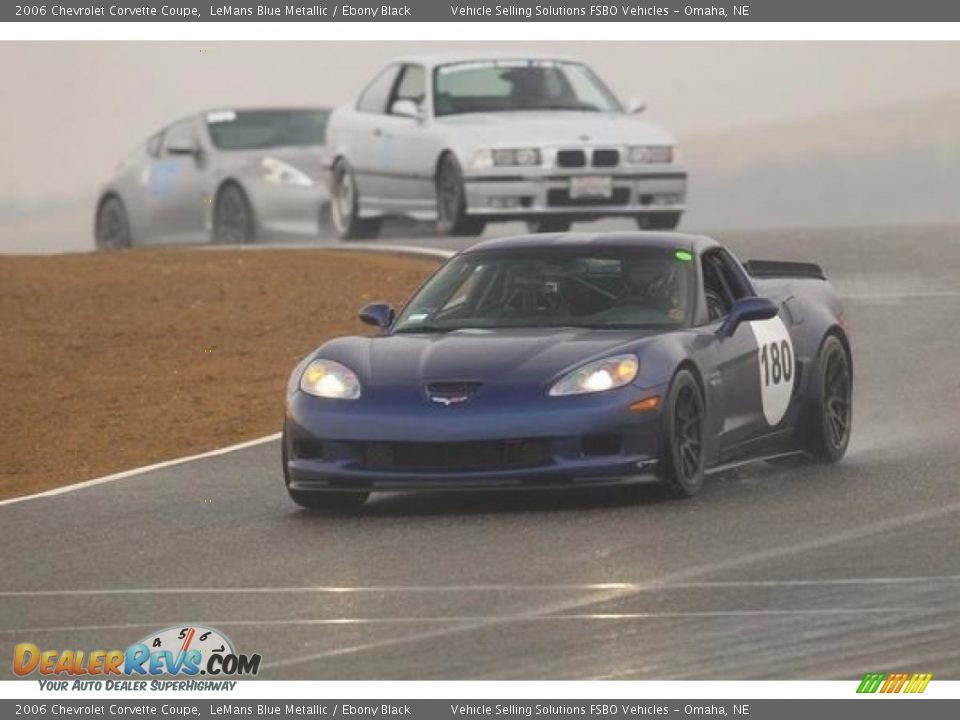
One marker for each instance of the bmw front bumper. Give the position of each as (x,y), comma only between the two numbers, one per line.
(521,193)
(332,445)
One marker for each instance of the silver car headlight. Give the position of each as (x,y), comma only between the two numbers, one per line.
(650,154)
(329,379)
(600,375)
(507,157)
(279,172)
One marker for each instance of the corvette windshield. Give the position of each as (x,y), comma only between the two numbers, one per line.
(504,85)
(258,129)
(552,287)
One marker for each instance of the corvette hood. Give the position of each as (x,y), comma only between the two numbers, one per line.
(558,127)
(489,356)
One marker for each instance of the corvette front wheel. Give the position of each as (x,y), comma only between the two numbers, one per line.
(682,458)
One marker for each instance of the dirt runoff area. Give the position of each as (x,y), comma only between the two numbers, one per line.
(110,361)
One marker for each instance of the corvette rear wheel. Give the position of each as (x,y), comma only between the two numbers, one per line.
(682,460)
(344,206)
(113,225)
(452,218)
(233,222)
(832,411)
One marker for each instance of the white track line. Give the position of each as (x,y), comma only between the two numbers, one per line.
(637,587)
(496,619)
(73,487)
(140,470)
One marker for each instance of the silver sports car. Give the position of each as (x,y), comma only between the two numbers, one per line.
(222,176)
(471,140)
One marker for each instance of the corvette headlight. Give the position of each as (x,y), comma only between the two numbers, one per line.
(329,379)
(280,173)
(600,375)
(650,154)
(507,157)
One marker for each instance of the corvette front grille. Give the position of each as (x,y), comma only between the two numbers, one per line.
(482,455)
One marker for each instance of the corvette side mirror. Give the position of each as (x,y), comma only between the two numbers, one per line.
(378,314)
(636,105)
(746,310)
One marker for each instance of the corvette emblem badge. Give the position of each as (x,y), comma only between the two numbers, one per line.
(448,400)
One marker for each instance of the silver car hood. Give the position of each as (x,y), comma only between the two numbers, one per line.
(307,158)
(537,128)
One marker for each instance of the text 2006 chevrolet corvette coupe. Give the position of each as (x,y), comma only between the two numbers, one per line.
(563,360)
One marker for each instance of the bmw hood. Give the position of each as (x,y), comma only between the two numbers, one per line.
(556,127)
(488,356)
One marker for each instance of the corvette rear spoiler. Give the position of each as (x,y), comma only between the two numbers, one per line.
(783,269)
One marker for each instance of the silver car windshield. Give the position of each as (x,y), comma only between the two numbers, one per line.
(258,129)
(510,85)
(610,288)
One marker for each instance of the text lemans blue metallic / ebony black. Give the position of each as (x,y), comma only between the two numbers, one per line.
(568,360)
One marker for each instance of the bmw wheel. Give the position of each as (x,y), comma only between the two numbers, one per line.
(832,411)
(682,459)
(548,225)
(452,218)
(344,204)
(233,221)
(113,225)
(659,221)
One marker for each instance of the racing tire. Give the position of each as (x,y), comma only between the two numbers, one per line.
(682,458)
(233,220)
(344,206)
(112,230)
(330,502)
(831,408)
(452,218)
(549,225)
(659,221)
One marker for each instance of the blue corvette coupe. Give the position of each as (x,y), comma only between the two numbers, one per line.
(574,360)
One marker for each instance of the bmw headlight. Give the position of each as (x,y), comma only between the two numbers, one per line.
(507,157)
(280,173)
(600,375)
(650,154)
(329,379)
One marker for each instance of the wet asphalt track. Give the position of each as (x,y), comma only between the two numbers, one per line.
(789,573)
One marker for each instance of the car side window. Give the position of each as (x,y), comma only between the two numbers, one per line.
(375,96)
(719,294)
(179,136)
(154,144)
(411,86)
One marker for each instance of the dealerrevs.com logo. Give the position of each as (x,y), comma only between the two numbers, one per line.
(188,650)
(894,682)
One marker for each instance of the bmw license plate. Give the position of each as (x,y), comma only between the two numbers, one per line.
(591,186)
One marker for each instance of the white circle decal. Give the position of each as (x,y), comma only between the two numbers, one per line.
(776,361)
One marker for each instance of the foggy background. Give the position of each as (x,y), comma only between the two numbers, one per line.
(774,134)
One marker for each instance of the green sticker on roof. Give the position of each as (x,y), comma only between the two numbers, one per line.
(683,255)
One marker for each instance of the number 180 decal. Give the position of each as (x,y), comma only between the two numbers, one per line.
(776,362)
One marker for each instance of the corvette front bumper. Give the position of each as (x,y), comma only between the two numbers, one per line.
(558,442)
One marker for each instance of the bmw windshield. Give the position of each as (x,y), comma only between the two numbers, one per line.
(261,129)
(504,85)
(552,287)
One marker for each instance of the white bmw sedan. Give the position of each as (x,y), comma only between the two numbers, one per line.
(472,140)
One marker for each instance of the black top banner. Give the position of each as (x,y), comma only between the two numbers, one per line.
(481,11)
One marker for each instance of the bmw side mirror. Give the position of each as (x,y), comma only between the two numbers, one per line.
(748,309)
(406,108)
(379,315)
(636,105)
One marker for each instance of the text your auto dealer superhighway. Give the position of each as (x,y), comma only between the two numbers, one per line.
(123,11)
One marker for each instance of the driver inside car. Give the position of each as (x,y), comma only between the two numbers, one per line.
(652,283)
